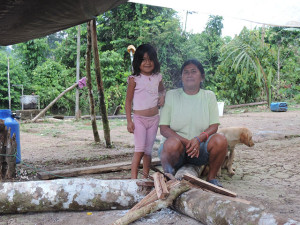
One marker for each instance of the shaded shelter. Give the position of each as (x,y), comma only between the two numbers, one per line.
(23,20)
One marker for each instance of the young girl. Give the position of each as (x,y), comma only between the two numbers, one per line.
(146,91)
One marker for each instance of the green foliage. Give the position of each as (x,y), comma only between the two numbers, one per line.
(50,79)
(206,48)
(32,53)
(16,74)
(239,70)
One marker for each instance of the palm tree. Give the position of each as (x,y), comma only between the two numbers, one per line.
(244,55)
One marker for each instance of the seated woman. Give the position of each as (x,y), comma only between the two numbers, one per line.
(189,121)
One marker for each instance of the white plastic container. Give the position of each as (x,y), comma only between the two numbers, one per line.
(221,108)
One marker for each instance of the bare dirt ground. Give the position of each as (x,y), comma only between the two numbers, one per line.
(267,174)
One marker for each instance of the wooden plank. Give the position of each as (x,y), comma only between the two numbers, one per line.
(206,185)
(90,170)
(160,186)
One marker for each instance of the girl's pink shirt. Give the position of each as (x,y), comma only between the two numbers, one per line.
(146,91)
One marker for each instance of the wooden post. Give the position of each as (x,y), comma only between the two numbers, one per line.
(99,81)
(89,84)
(8,150)
(3,133)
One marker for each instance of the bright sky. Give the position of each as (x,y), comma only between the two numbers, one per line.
(236,13)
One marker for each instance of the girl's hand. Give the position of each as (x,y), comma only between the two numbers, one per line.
(130,127)
(161,101)
(193,148)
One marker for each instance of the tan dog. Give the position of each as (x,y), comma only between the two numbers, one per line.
(234,136)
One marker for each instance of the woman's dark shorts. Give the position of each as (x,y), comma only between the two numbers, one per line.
(185,159)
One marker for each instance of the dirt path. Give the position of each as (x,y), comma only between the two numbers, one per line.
(267,174)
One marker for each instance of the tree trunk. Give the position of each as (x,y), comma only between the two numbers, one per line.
(265,81)
(55,100)
(103,111)
(89,84)
(93,194)
(210,208)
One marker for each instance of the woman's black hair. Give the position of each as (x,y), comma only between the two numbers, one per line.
(198,65)
(139,55)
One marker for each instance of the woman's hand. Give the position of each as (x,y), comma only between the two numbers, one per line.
(193,148)
(130,127)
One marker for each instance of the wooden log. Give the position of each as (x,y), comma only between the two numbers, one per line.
(77,194)
(154,206)
(189,169)
(90,170)
(55,100)
(73,194)
(210,208)
(160,186)
(207,185)
(243,105)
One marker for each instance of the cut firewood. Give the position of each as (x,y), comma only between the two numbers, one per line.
(207,185)
(90,170)
(160,186)
(145,183)
(154,206)
(152,196)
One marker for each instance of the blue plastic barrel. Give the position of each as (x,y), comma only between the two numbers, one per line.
(278,106)
(10,122)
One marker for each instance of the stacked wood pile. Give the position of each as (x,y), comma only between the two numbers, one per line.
(8,149)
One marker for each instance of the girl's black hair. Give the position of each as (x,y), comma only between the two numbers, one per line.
(198,65)
(139,55)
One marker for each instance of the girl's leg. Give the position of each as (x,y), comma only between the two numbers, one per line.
(146,165)
(151,132)
(139,142)
(137,156)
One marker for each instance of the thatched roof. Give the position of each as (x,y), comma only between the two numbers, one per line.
(23,20)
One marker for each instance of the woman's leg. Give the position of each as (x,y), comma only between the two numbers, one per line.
(172,155)
(217,148)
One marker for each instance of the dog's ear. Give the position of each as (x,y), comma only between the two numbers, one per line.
(244,137)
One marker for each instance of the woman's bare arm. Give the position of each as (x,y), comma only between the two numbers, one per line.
(167,132)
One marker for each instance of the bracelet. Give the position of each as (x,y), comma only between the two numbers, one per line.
(198,139)
(206,135)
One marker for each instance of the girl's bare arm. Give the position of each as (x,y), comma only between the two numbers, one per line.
(128,104)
